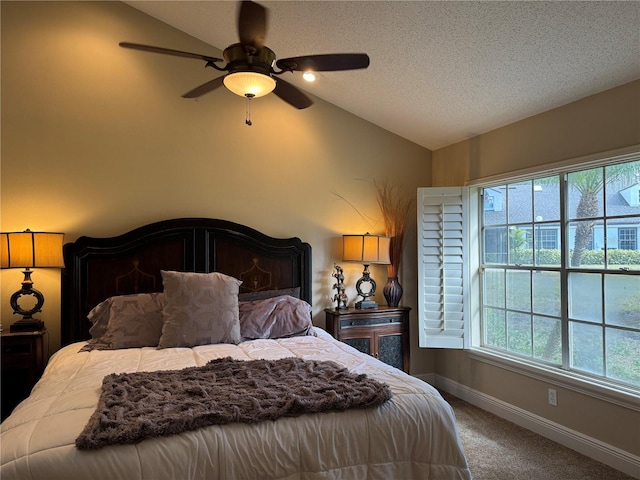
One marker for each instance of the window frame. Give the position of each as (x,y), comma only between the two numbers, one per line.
(620,394)
(567,346)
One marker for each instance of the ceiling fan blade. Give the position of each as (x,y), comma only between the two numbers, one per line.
(205,88)
(292,95)
(252,24)
(168,51)
(328,62)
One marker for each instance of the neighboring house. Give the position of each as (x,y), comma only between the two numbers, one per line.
(536,207)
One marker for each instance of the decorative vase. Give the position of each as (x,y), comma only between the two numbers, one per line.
(392,292)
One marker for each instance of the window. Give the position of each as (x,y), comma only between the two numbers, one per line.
(548,238)
(556,282)
(627,238)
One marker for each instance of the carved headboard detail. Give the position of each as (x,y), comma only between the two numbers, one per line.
(97,268)
(256,278)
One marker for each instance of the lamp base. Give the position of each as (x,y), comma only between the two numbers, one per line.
(366,301)
(27,325)
(364,304)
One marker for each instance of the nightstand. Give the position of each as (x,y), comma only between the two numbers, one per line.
(22,364)
(382,332)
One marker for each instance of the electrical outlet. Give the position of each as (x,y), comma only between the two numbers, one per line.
(553,397)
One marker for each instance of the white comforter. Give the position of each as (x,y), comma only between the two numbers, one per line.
(412,436)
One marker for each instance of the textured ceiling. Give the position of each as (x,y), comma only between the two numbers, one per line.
(440,71)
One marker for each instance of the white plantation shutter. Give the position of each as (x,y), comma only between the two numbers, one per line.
(442,277)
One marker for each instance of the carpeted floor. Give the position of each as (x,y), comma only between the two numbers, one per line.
(497,449)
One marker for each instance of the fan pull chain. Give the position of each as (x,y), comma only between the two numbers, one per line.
(248,111)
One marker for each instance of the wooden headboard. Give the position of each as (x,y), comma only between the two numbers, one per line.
(98,268)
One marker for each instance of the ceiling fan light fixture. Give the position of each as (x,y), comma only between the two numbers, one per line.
(249,84)
(309,76)
(250,64)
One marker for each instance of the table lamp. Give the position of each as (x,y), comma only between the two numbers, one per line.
(366,249)
(29,250)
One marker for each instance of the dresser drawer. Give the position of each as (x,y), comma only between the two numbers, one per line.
(357,322)
(17,348)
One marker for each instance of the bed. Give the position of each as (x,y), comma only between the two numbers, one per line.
(412,434)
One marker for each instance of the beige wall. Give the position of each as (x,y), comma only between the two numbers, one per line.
(599,123)
(603,122)
(96,140)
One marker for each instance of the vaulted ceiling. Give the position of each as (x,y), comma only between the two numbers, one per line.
(441,71)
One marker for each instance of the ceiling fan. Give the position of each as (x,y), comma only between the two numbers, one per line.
(250,64)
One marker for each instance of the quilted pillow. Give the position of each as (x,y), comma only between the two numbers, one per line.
(126,321)
(277,317)
(199,309)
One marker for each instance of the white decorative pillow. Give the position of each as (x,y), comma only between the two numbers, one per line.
(199,309)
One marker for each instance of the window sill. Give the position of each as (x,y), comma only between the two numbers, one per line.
(625,397)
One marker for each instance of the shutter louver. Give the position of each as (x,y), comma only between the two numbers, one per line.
(442,288)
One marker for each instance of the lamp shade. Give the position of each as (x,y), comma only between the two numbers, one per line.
(250,84)
(366,248)
(31,249)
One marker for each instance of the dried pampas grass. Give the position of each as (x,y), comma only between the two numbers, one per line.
(396,205)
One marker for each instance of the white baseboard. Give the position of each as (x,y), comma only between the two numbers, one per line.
(584,444)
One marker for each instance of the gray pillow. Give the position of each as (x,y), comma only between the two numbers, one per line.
(135,321)
(199,309)
(126,321)
(99,318)
(276,317)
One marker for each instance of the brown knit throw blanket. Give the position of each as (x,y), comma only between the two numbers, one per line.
(135,406)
